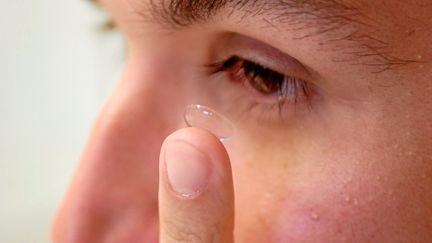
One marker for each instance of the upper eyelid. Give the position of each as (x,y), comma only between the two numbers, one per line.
(221,66)
(265,54)
(290,68)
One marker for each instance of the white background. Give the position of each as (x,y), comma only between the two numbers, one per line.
(56,70)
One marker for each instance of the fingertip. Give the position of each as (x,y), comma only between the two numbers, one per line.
(196,195)
(187,169)
(201,139)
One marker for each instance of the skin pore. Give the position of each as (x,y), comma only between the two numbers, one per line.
(351,161)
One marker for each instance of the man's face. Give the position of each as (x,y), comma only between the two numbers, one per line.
(330,100)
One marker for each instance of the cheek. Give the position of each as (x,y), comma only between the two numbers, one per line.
(356,188)
(363,209)
(332,209)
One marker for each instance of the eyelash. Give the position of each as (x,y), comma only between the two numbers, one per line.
(261,80)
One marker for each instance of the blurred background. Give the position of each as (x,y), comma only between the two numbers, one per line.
(57,68)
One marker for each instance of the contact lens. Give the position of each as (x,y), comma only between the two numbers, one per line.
(206,118)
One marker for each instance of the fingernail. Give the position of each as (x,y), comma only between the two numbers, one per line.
(187,168)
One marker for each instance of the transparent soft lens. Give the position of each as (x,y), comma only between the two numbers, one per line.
(204,117)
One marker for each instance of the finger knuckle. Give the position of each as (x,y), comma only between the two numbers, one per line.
(177,232)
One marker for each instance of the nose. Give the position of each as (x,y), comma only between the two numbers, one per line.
(114,188)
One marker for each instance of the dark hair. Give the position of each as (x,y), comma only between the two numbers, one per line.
(106,25)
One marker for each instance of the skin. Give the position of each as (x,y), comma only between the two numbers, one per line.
(357,167)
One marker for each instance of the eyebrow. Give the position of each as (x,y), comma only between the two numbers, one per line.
(344,24)
(182,13)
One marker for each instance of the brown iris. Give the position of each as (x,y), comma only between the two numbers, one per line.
(264,80)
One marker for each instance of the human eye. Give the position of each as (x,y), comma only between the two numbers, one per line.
(263,83)
(263,91)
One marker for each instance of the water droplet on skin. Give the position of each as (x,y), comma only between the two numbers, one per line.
(347,198)
(355,202)
(206,118)
(315,216)
(409,32)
